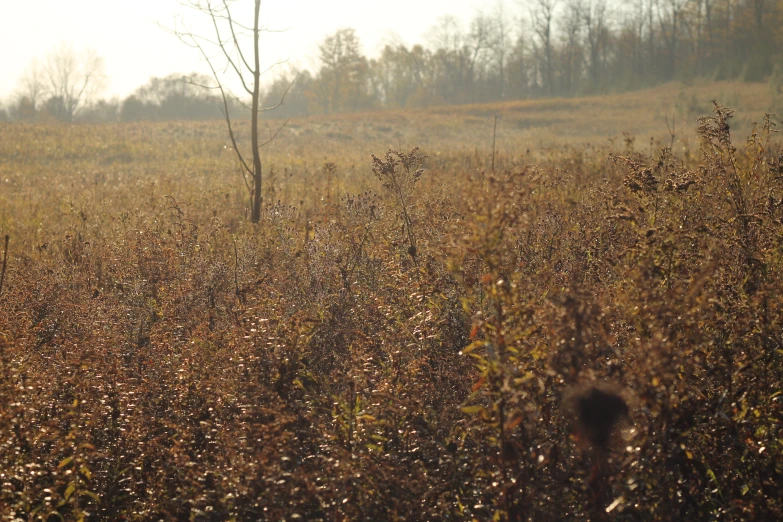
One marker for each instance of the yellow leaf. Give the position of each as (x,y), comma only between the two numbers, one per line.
(472,346)
(69,491)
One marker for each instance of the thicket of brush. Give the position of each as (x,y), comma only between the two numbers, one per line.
(595,336)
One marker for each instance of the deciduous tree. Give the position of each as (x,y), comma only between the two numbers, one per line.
(343,71)
(72,81)
(243,59)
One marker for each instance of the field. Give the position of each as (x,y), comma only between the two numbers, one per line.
(584,325)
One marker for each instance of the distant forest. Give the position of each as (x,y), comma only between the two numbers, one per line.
(549,48)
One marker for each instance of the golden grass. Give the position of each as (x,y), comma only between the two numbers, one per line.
(162,358)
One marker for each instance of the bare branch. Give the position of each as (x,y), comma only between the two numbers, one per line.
(184,35)
(219,12)
(189,81)
(242,104)
(281,62)
(274,31)
(225,110)
(261,29)
(273,136)
(282,98)
(73,81)
(234,36)
(224,48)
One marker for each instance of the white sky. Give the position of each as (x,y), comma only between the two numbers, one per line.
(126,35)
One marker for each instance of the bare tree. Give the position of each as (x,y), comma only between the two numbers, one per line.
(594,16)
(636,21)
(708,10)
(73,82)
(446,34)
(670,17)
(571,28)
(449,60)
(651,36)
(500,44)
(760,8)
(543,13)
(230,42)
(478,52)
(32,88)
(519,70)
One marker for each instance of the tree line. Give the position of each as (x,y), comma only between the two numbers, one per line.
(545,48)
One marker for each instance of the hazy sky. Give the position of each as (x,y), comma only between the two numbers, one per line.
(126,32)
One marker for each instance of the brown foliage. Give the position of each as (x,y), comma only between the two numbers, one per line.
(166,360)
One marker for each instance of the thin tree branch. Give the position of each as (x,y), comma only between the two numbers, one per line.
(219,43)
(189,80)
(223,48)
(273,136)
(234,36)
(282,99)
(5,262)
(281,62)
(225,109)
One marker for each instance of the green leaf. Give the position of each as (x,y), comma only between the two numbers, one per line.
(64,462)
(472,410)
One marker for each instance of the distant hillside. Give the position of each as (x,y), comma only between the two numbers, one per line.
(535,123)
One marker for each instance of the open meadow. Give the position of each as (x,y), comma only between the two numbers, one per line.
(584,324)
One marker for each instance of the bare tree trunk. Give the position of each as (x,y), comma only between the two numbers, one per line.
(543,13)
(651,39)
(257,199)
(236,61)
(699,31)
(710,43)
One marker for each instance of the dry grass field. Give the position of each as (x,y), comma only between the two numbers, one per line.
(592,331)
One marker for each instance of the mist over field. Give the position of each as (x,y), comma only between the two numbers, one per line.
(460,261)
(441,53)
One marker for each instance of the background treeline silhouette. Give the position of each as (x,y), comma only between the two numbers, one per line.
(548,48)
